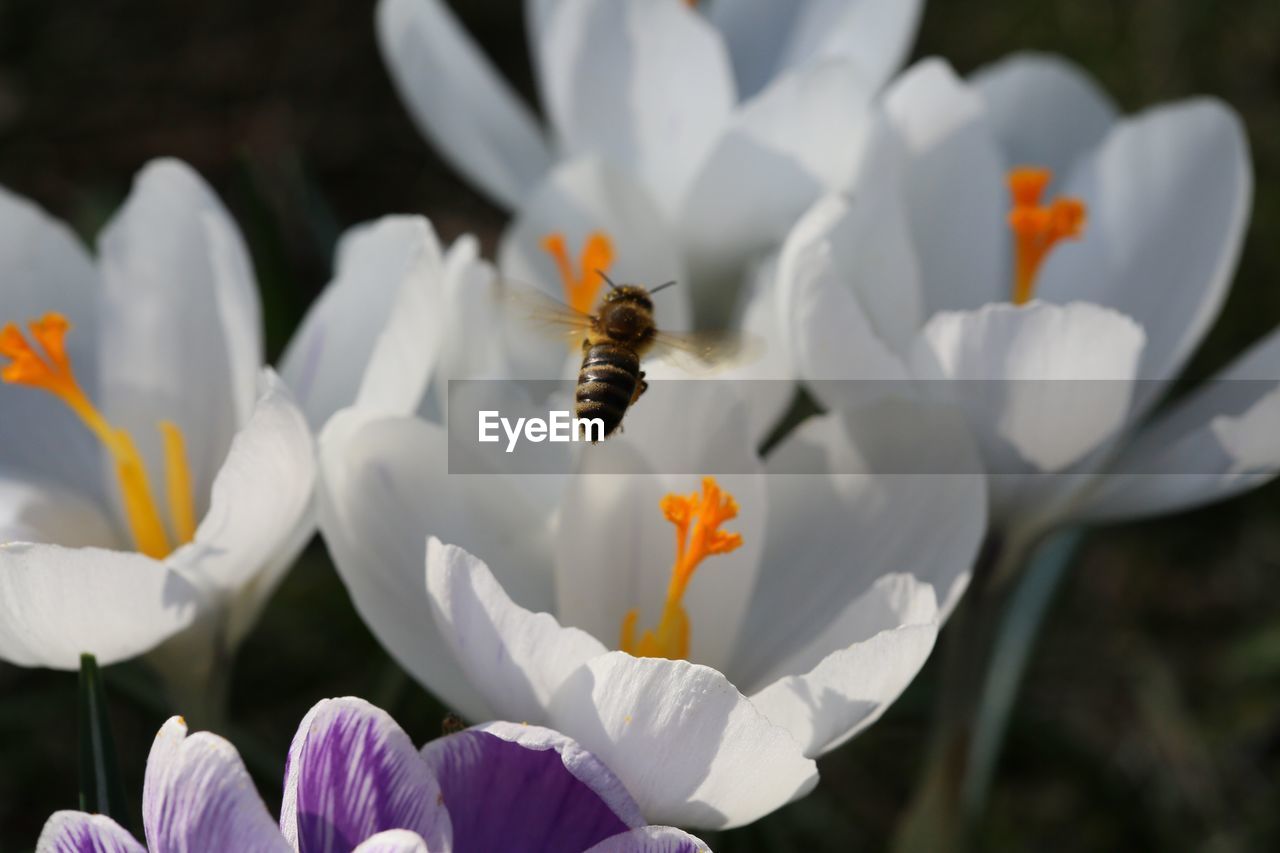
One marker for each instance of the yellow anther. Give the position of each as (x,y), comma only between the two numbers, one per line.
(1036,227)
(697,518)
(581,284)
(50,370)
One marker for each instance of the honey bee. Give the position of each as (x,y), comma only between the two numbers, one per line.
(615,339)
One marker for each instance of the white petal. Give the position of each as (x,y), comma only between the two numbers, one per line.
(781,150)
(1045,110)
(260,497)
(876,34)
(1218,442)
(856,667)
(646,85)
(58,603)
(1018,354)
(651,839)
(953,183)
(517,659)
(173,341)
(33,511)
(459,101)
(393,841)
(892,488)
(384,487)
(614,547)
(1168,194)
(46,268)
(688,746)
(353,341)
(755,32)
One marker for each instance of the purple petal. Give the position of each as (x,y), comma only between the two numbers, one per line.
(353,773)
(77,832)
(393,841)
(652,839)
(515,787)
(197,797)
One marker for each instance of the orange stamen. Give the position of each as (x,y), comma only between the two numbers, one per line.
(1036,227)
(697,519)
(581,285)
(52,372)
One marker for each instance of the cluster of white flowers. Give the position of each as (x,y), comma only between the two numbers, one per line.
(918,230)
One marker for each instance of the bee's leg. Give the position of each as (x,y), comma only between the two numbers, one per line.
(641,387)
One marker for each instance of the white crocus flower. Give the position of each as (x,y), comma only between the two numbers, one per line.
(730,116)
(155,479)
(1015,229)
(817,595)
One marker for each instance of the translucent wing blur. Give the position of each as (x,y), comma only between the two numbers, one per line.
(538,310)
(709,351)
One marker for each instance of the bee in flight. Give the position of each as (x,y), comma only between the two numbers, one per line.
(616,337)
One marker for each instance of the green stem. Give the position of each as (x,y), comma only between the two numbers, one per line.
(101,790)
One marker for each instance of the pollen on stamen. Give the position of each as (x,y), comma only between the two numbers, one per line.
(1037,227)
(697,518)
(582,282)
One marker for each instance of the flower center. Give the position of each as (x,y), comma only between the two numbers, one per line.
(581,284)
(1037,227)
(51,372)
(697,518)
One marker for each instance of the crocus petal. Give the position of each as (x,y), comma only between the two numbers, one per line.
(781,150)
(1020,357)
(953,183)
(652,839)
(32,511)
(45,268)
(175,316)
(1169,194)
(1218,442)
(1046,111)
(459,101)
(261,495)
(855,667)
(766,38)
(353,336)
(554,794)
(517,659)
(385,486)
(353,772)
(57,603)
(646,85)
(197,797)
(78,832)
(393,841)
(689,747)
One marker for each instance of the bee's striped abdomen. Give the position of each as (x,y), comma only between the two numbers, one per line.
(607,383)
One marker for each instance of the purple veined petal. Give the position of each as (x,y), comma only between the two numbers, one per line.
(352,773)
(516,787)
(394,841)
(198,797)
(78,832)
(652,839)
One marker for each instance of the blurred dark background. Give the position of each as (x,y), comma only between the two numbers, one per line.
(1151,715)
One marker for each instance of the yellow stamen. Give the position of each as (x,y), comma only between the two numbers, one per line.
(1037,228)
(53,373)
(581,285)
(697,518)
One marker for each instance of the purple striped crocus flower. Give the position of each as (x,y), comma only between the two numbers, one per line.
(354,781)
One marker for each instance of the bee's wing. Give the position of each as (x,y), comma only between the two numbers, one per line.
(542,312)
(703,353)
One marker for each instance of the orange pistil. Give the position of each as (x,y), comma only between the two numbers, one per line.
(1037,228)
(581,285)
(697,518)
(52,372)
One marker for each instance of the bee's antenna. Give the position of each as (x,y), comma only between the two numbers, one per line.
(661,287)
(604,275)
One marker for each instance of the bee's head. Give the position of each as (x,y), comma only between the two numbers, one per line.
(632,294)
